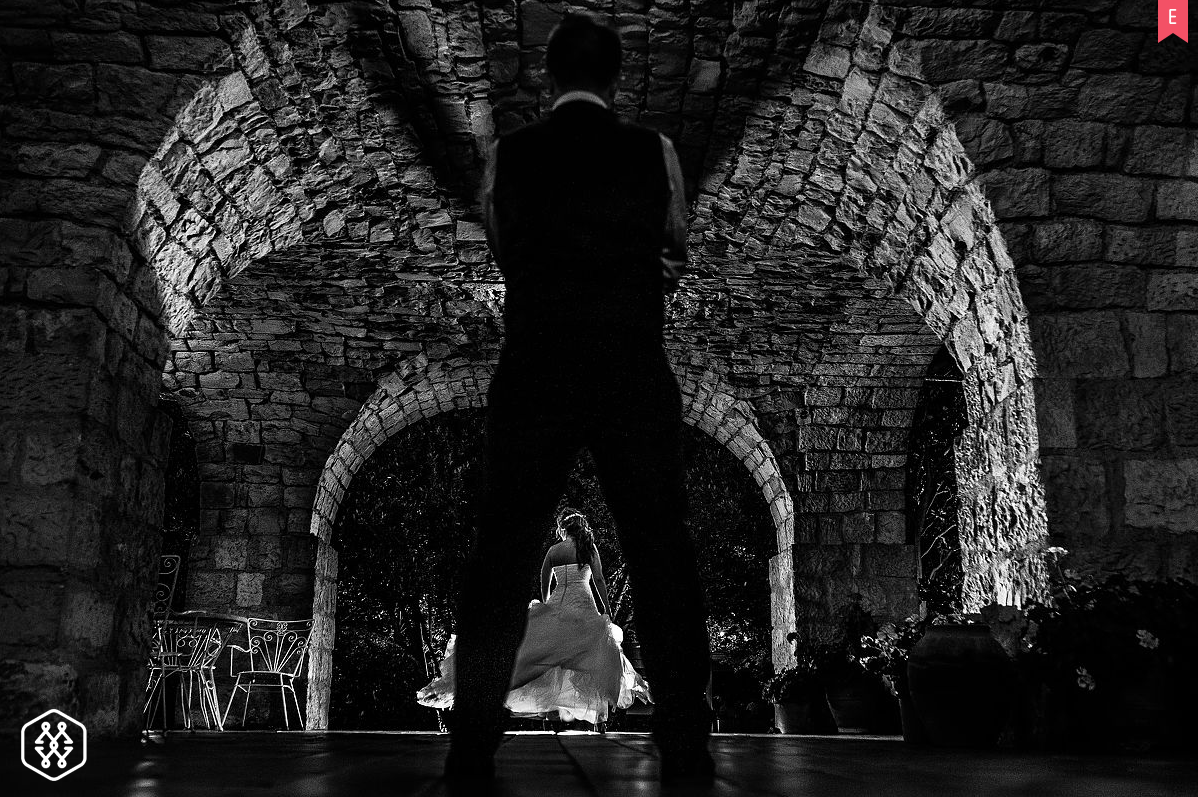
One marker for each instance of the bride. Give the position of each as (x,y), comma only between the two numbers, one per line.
(570,660)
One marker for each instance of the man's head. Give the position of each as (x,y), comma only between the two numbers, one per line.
(583,55)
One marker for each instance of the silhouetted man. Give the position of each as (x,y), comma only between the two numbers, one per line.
(587,220)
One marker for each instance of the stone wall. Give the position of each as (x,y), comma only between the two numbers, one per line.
(88,93)
(1082,129)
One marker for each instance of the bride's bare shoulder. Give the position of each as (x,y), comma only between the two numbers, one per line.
(560,553)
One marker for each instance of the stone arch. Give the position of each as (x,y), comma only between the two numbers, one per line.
(422,389)
(850,166)
(419,390)
(250,167)
(709,404)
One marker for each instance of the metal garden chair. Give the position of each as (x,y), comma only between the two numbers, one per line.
(164,591)
(188,649)
(276,651)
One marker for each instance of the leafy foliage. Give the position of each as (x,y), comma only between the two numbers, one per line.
(794,684)
(886,649)
(1094,634)
(826,662)
(404,531)
(932,500)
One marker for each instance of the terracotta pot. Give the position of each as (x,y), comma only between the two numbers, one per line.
(863,705)
(913,730)
(811,716)
(961,683)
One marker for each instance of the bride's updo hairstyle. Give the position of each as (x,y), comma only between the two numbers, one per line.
(576,527)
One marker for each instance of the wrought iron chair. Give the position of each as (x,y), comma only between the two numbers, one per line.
(188,649)
(276,652)
(168,576)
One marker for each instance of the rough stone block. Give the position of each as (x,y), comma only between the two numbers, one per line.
(1067,241)
(249,589)
(1076,498)
(292,589)
(1123,415)
(1017,192)
(57,160)
(195,53)
(954,59)
(69,86)
(1182,342)
(1107,49)
(110,47)
(229,552)
(87,620)
(1181,402)
(31,609)
(1157,150)
(1106,196)
(1070,143)
(1150,245)
(704,76)
(1162,494)
(50,457)
(1120,97)
(1080,345)
(1055,414)
(1092,286)
(985,140)
(1173,291)
(1149,354)
(1177,199)
(1015,101)
(32,686)
(537,21)
(266,553)
(892,528)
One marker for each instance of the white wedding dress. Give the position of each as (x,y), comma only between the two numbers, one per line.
(570,660)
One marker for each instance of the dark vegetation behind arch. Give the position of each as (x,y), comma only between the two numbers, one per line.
(404,530)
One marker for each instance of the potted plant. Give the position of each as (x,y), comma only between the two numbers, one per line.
(800,704)
(952,679)
(1116,659)
(885,654)
(858,698)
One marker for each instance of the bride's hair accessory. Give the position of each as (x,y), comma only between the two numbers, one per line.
(567,515)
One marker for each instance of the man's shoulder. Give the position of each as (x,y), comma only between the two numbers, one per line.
(539,129)
(523,134)
(641,133)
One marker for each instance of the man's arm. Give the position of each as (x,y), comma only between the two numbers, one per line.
(673,251)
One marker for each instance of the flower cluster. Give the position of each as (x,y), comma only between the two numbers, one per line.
(1091,633)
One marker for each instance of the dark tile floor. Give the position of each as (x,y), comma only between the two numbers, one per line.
(544,765)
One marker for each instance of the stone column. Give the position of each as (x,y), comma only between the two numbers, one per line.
(826,576)
(82,449)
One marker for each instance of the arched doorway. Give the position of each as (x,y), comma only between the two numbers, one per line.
(933,503)
(402,533)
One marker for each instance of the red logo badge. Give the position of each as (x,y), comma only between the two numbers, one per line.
(1173,19)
